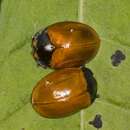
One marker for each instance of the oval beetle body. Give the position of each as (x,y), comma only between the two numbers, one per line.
(64,92)
(65,44)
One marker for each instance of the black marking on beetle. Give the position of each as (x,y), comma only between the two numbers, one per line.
(97,121)
(117,57)
(92,83)
(44,56)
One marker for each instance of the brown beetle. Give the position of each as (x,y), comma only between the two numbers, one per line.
(65,44)
(64,92)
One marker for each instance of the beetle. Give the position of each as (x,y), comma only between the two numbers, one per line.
(65,44)
(64,92)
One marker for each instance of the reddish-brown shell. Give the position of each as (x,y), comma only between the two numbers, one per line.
(74,44)
(61,93)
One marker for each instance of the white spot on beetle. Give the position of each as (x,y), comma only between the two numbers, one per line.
(49,47)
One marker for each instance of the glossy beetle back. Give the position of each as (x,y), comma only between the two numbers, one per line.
(73,44)
(62,93)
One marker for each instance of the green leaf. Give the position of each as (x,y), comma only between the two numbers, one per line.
(20,19)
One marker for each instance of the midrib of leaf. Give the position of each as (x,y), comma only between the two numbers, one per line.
(80,11)
(82,120)
(81,19)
